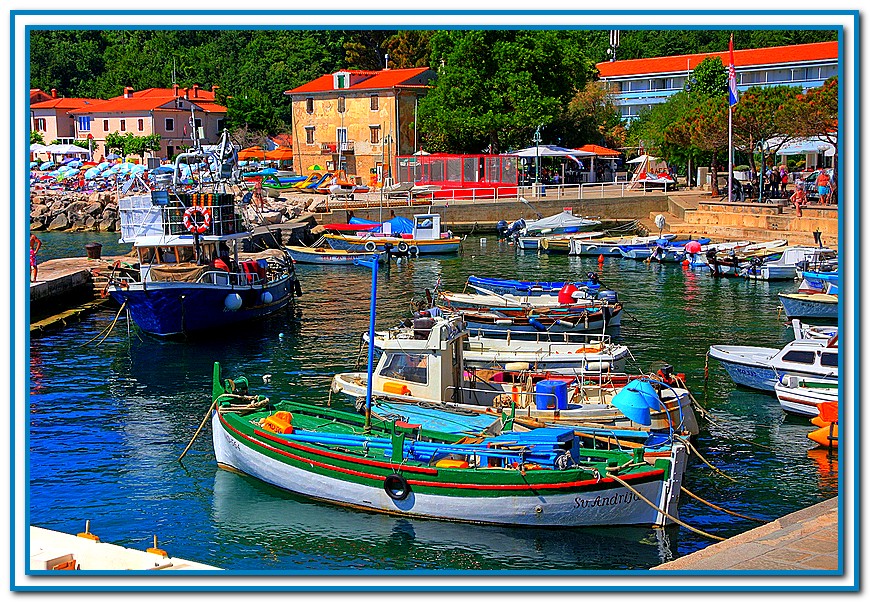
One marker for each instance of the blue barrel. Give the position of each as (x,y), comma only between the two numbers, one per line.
(550,394)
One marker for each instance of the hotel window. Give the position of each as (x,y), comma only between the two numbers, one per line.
(170,125)
(123,125)
(39,124)
(84,124)
(309,105)
(374,102)
(140,123)
(375,134)
(105,125)
(341,106)
(309,134)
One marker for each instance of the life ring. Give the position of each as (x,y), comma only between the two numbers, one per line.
(396,487)
(370,246)
(413,251)
(403,247)
(193,224)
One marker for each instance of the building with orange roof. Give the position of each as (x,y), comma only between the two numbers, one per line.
(51,117)
(163,111)
(39,95)
(638,84)
(357,120)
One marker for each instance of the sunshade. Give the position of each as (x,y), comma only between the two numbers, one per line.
(280,154)
(550,150)
(252,152)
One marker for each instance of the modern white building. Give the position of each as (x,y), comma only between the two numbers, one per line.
(640,83)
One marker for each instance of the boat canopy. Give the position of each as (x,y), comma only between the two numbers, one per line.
(564,221)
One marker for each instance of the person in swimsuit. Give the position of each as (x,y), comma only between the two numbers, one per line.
(35,245)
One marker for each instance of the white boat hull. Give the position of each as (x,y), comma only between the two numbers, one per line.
(617,506)
(796,397)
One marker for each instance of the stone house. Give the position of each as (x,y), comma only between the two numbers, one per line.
(358,121)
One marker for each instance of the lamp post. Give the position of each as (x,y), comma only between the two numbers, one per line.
(761,146)
(537,140)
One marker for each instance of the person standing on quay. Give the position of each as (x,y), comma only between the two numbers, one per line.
(783,174)
(35,245)
(824,184)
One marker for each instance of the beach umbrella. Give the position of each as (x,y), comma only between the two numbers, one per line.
(33,164)
(280,154)
(112,156)
(315,168)
(46,165)
(693,246)
(252,152)
(36,147)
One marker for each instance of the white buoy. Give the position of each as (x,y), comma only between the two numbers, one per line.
(482,242)
(233,302)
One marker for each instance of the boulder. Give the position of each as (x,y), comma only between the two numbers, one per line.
(60,222)
(107,225)
(76,207)
(93,209)
(36,226)
(90,222)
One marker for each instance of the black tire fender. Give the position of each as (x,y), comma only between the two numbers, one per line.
(396,486)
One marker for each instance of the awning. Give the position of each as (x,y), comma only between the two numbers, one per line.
(600,151)
(550,150)
(805,146)
(252,152)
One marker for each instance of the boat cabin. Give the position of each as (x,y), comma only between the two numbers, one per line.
(815,356)
(428,227)
(429,365)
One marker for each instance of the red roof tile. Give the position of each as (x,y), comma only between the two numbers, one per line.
(377,80)
(742,58)
(120,104)
(66,103)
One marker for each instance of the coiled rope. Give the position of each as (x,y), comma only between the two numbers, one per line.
(673,518)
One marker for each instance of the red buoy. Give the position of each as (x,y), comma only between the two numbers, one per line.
(600,259)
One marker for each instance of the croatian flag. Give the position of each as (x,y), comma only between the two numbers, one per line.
(732,75)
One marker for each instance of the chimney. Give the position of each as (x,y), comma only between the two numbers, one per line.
(175,89)
(54,92)
(214,89)
(196,90)
(386,61)
(186,91)
(128,92)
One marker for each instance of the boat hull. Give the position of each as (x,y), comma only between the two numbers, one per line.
(173,309)
(796,397)
(749,370)
(500,497)
(817,305)
(323,256)
(424,247)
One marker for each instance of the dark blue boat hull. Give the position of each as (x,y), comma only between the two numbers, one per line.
(172,309)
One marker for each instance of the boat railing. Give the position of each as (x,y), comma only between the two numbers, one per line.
(552,338)
(162,214)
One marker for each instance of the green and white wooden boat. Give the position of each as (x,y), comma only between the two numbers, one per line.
(542,477)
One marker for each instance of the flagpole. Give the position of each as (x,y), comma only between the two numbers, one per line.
(730,153)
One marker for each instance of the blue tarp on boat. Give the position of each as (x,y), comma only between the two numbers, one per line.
(398,225)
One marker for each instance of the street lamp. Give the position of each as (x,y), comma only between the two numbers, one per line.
(761,147)
(537,140)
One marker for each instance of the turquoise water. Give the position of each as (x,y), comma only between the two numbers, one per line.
(108,422)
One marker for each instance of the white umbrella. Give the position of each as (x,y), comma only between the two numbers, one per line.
(550,150)
(66,149)
(36,147)
(643,158)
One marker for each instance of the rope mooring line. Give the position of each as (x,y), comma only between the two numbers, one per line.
(109,327)
(714,506)
(694,450)
(673,518)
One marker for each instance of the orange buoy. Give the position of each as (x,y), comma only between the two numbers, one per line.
(685,263)
(600,259)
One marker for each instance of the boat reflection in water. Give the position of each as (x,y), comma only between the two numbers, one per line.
(268,521)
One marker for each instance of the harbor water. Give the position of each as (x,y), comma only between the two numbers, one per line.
(108,421)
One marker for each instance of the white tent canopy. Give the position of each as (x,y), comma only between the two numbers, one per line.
(550,150)
(803,146)
(38,148)
(65,149)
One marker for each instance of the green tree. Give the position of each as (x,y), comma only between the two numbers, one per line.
(759,116)
(495,87)
(816,114)
(709,77)
(409,48)
(594,117)
(114,143)
(36,137)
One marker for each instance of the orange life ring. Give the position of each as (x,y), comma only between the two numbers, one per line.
(192,223)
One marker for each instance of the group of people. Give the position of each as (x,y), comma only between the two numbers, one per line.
(799,197)
(776,179)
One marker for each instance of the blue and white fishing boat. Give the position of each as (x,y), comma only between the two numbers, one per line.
(191,277)
(660,246)
(761,367)
(609,246)
(328,256)
(426,238)
(522,287)
(782,267)
(823,305)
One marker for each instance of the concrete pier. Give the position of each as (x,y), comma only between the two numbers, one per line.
(806,540)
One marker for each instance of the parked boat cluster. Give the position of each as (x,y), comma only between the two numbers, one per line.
(506,403)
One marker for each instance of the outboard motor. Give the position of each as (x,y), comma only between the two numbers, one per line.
(607,295)
(501,228)
(513,230)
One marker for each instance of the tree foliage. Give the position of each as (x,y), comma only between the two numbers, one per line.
(495,87)
(594,117)
(130,144)
(36,137)
(709,78)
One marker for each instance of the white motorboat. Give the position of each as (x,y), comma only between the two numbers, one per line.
(761,367)
(802,395)
(783,267)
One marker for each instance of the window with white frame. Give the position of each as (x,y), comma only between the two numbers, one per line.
(169,125)
(84,123)
(39,124)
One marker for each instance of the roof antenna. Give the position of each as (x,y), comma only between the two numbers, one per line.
(386,61)
(173,71)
